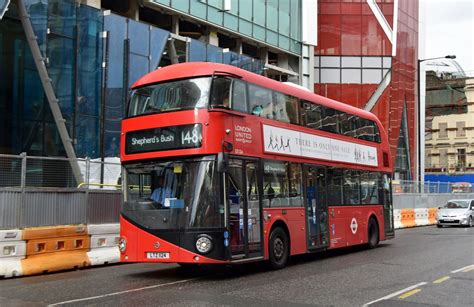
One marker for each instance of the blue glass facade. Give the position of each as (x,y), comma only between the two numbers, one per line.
(132,50)
(92,61)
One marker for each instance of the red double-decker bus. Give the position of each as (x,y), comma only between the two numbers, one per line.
(225,166)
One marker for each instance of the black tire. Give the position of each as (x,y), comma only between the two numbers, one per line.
(373,234)
(278,248)
(439,226)
(470,222)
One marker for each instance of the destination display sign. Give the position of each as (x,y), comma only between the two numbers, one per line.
(165,138)
(295,143)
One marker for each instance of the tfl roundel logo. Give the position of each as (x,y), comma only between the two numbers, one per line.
(157,245)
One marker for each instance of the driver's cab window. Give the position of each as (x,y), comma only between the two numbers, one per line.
(220,94)
(163,186)
(229,93)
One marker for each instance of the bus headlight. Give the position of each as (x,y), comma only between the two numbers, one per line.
(122,245)
(204,244)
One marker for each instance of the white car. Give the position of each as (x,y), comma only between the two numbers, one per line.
(456,212)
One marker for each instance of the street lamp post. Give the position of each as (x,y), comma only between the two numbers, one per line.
(421,125)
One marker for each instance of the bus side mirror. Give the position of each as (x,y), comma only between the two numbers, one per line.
(222,162)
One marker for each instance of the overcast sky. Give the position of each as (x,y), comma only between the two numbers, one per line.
(449,29)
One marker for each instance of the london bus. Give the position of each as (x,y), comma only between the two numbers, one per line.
(224,166)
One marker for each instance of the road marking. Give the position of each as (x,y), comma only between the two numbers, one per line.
(122,292)
(438,281)
(464,268)
(409,293)
(468,269)
(396,293)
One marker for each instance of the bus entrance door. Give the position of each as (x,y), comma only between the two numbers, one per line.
(316,207)
(243,194)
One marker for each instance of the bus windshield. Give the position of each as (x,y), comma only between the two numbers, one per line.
(174,195)
(170,96)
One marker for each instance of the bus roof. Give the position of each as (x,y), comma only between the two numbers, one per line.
(198,69)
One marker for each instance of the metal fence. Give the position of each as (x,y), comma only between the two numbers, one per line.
(24,171)
(406,186)
(426,200)
(42,191)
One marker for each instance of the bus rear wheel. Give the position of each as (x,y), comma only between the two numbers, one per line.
(278,248)
(373,233)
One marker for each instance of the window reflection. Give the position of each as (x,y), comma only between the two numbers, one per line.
(282,184)
(170,96)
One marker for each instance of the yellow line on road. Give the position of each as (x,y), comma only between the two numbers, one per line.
(409,293)
(438,281)
(468,269)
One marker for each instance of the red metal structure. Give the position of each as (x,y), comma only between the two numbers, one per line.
(353,36)
(225,166)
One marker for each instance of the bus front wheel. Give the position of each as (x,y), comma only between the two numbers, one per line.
(279,248)
(373,233)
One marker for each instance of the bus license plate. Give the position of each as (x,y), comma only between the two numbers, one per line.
(156,255)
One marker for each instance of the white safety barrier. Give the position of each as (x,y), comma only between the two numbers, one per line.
(421,217)
(12,250)
(99,229)
(105,255)
(397,218)
(104,243)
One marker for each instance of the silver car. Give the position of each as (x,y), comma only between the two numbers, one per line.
(456,212)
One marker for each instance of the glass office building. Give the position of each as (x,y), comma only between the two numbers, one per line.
(94,54)
(275,22)
(366,56)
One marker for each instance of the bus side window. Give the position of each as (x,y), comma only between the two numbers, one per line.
(295,186)
(368,130)
(261,101)
(369,194)
(330,120)
(286,108)
(275,184)
(346,126)
(351,187)
(239,96)
(311,115)
(376,132)
(334,186)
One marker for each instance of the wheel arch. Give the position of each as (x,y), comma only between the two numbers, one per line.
(277,223)
(376,220)
(282,225)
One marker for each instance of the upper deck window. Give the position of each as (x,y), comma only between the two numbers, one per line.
(286,108)
(170,96)
(261,101)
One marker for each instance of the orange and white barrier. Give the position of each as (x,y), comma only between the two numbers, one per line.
(13,250)
(408,218)
(404,218)
(55,248)
(432,212)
